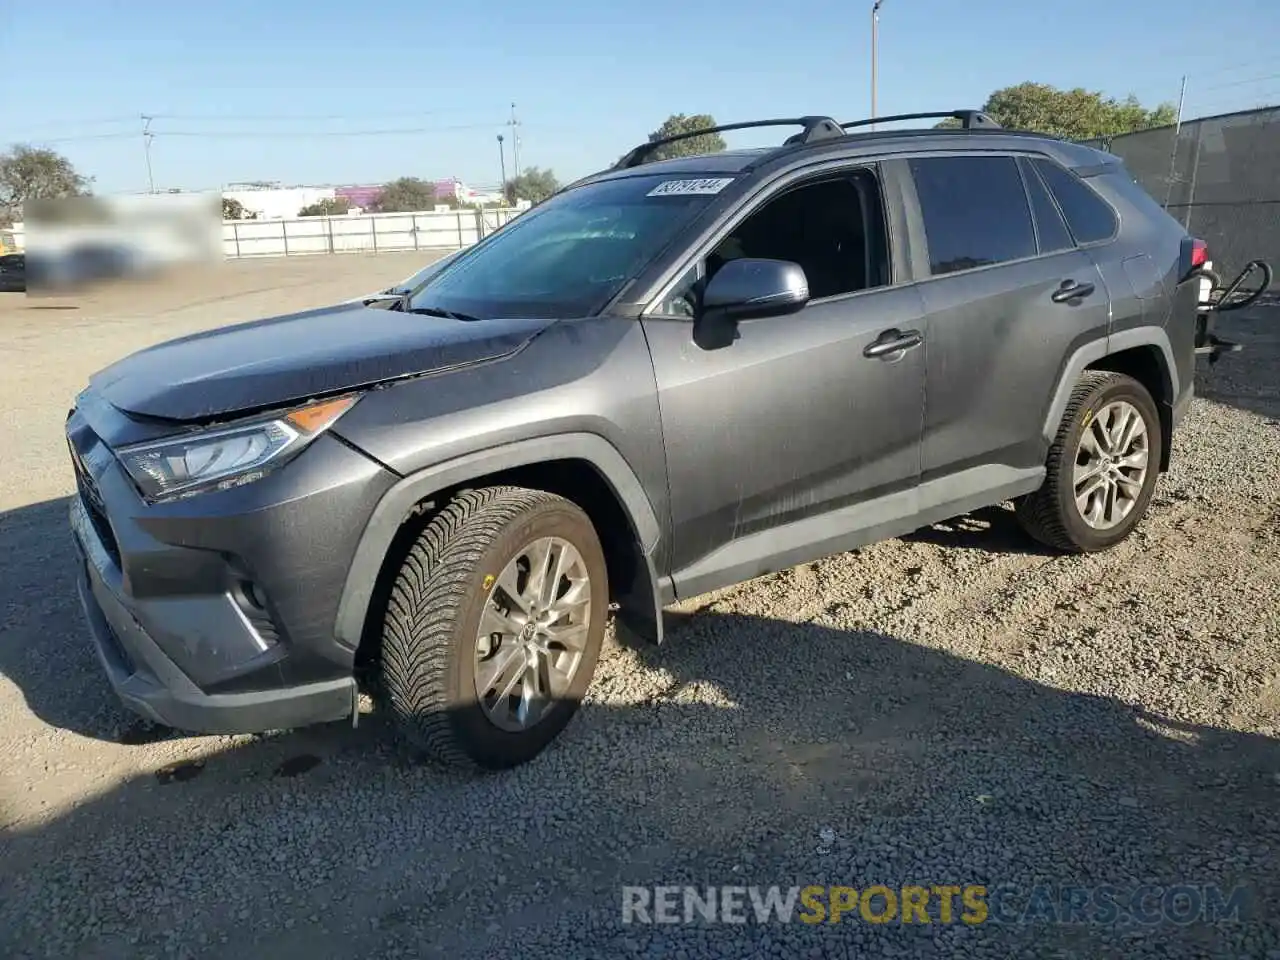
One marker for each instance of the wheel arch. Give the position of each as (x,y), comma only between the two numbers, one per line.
(1145,354)
(582,467)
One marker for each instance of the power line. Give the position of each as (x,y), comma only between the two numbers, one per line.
(1241,83)
(308,117)
(308,134)
(263,134)
(127,134)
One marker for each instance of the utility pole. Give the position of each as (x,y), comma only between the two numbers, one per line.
(147,137)
(1173,149)
(502,162)
(514,124)
(874,51)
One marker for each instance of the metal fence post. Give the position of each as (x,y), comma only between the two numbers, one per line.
(284,235)
(329,222)
(373,224)
(1195,173)
(461,242)
(235,233)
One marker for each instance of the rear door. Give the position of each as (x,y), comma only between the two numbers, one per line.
(1009,297)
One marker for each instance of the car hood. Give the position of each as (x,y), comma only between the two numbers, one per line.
(287,359)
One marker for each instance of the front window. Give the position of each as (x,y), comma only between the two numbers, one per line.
(570,256)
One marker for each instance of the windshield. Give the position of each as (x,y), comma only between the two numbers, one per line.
(571,255)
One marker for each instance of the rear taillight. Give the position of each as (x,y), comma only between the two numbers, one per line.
(1195,254)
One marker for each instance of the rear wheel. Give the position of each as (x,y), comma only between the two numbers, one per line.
(1102,467)
(494,627)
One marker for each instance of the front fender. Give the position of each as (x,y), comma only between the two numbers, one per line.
(640,602)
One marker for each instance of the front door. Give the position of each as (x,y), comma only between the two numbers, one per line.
(800,415)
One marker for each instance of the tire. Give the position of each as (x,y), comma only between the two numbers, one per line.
(1051,515)
(430,642)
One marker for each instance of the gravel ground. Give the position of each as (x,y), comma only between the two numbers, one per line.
(953,707)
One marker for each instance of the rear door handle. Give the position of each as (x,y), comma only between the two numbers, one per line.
(1070,290)
(891,342)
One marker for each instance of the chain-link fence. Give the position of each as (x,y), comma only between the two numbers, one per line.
(1219,176)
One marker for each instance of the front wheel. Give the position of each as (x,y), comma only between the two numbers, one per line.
(1102,467)
(494,627)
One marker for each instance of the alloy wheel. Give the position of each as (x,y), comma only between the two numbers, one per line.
(532,633)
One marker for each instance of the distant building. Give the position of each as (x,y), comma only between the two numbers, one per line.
(271,201)
(359,196)
(274,202)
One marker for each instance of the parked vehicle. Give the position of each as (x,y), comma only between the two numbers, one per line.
(670,377)
(84,262)
(13,273)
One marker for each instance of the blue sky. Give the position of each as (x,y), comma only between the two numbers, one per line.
(329,92)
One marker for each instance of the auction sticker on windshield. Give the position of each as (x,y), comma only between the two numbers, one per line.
(675,188)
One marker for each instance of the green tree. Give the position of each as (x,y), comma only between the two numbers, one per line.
(328,207)
(406,195)
(32,173)
(233,209)
(534,185)
(1076,114)
(690,146)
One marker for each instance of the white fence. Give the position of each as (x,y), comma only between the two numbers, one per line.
(368,233)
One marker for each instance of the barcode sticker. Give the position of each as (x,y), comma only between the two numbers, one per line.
(705,187)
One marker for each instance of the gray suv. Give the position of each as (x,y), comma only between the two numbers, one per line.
(669,377)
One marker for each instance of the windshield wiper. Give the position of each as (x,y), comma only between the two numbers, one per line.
(441,312)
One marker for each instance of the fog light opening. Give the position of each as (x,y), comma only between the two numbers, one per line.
(253,595)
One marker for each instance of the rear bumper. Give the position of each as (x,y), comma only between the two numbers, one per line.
(151,684)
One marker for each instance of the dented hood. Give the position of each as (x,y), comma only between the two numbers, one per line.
(287,359)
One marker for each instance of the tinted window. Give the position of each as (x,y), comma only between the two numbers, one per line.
(1088,215)
(1052,230)
(975,211)
(570,255)
(831,227)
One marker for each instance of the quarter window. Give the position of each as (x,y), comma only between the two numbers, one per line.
(1049,223)
(975,211)
(1089,216)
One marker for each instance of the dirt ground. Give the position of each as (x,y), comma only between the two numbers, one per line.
(952,707)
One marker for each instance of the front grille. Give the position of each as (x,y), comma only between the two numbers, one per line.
(93,503)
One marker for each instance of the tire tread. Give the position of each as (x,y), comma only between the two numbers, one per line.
(428,597)
(1038,512)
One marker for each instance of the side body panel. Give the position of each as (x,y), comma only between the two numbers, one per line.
(790,421)
(998,345)
(582,390)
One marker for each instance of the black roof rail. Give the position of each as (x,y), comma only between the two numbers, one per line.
(969,119)
(814,128)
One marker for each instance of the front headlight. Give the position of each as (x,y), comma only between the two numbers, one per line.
(226,457)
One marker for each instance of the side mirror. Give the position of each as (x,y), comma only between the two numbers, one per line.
(748,289)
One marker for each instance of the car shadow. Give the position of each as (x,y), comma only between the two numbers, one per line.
(990,529)
(44,647)
(1248,380)
(745,750)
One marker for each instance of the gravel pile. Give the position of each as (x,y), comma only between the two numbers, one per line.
(954,707)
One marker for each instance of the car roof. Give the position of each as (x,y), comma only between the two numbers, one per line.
(870,145)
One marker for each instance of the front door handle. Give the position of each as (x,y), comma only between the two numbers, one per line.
(1070,290)
(891,342)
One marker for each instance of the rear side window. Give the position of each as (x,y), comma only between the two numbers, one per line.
(1089,216)
(975,211)
(1049,223)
